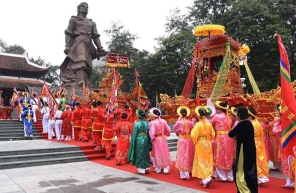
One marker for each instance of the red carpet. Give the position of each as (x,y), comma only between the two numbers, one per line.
(274,186)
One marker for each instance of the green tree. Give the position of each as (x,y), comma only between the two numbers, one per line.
(256,26)
(12,49)
(3,45)
(95,77)
(122,41)
(287,12)
(207,11)
(166,70)
(52,75)
(15,49)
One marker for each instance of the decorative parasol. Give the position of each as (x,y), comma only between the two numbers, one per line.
(208,30)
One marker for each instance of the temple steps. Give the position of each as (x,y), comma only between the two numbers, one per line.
(18,154)
(11,130)
(38,157)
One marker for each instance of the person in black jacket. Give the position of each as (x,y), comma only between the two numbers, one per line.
(244,163)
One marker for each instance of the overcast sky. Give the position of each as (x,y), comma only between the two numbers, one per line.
(38,25)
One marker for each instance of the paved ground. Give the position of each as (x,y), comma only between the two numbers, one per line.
(82,177)
(30,145)
(79,177)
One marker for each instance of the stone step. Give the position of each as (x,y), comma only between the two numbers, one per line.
(10,122)
(40,156)
(18,138)
(12,127)
(36,151)
(40,162)
(16,131)
(20,134)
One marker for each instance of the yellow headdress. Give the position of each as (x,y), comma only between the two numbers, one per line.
(183,107)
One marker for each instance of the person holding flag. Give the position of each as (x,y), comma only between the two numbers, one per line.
(98,116)
(108,131)
(108,135)
(76,119)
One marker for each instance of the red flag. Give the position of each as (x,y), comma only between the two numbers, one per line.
(288,105)
(190,80)
(44,91)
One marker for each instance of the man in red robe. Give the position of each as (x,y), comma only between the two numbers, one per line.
(67,127)
(98,115)
(108,136)
(123,131)
(86,124)
(76,120)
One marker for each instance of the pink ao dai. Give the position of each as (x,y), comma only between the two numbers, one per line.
(223,146)
(185,151)
(159,130)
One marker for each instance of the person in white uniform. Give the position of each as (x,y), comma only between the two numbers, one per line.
(45,112)
(51,123)
(58,123)
(34,102)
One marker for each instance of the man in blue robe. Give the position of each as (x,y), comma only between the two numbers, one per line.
(28,118)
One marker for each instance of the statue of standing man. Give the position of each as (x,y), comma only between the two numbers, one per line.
(77,66)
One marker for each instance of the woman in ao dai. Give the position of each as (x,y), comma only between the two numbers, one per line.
(202,134)
(159,130)
(185,151)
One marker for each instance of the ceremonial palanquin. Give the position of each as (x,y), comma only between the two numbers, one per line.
(218,59)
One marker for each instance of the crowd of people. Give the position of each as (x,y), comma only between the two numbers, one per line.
(231,145)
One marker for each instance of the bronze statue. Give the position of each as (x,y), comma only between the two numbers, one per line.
(77,66)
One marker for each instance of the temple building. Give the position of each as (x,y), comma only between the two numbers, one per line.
(16,71)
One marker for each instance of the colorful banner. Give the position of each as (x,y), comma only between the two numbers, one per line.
(117,60)
(44,91)
(288,105)
(14,97)
(72,94)
(142,97)
(113,103)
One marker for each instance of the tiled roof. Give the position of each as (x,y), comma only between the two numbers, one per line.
(218,39)
(14,64)
(19,83)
